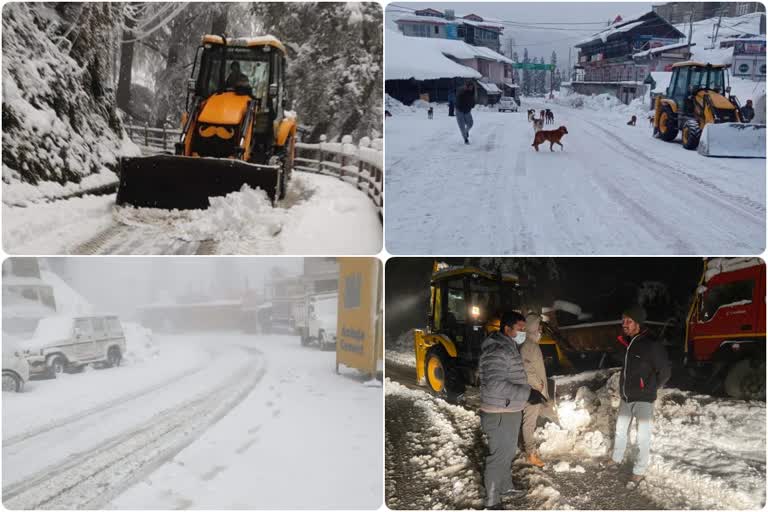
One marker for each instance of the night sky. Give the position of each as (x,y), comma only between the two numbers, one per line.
(601,286)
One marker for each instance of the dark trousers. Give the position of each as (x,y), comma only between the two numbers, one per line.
(502,430)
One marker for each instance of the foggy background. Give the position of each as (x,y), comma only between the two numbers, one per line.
(119,285)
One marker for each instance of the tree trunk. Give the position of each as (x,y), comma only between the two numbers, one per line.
(220,20)
(126,60)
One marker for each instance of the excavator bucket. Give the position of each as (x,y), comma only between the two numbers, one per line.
(739,140)
(185,183)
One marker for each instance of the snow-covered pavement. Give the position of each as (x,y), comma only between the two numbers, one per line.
(706,453)
(320,215)
(613,190)
(215,420)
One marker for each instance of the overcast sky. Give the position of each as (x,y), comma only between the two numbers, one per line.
(540,42)
(119,284)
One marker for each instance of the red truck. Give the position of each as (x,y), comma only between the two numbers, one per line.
(725,331)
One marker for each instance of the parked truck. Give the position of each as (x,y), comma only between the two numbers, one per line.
(359,336)
(725,329)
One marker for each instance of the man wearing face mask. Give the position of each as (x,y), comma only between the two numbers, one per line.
(533,362)
(504,392)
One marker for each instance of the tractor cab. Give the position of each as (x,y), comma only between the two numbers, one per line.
(465,306)
(465,303)
(688,80)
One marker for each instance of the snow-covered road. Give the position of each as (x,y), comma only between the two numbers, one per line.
(217,420)
(320,215)
(613,190)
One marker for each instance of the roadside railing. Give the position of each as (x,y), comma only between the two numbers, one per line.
(361,165)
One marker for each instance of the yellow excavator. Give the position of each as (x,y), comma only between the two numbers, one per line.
(699,105)
(235,131)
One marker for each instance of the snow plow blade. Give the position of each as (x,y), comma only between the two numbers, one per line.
(736,140)
(185,183)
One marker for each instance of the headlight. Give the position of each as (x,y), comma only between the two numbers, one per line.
(475,311)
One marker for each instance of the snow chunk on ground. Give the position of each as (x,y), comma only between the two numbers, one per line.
(564,467)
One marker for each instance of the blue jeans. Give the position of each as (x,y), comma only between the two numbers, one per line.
(465,122)
(643,414)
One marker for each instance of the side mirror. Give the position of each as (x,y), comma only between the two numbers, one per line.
(191,85)
(273,89)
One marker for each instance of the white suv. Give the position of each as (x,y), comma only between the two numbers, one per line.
(321,319)
(507,103)
(15,367)
(69,343)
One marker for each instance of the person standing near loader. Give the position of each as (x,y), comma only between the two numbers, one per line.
(504,392)
(748,112)
(465,102)
(533,362)
(646,369)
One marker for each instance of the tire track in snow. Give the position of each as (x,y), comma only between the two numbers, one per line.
(121,400)
(93,478)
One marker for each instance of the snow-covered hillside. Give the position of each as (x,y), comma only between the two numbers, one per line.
(60,124)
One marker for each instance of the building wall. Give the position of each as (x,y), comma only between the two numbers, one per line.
(423,30)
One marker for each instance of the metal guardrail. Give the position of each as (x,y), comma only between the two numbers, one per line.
(361,165)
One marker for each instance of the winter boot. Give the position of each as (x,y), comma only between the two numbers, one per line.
(534,460)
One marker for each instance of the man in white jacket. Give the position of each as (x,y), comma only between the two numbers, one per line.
(533,362)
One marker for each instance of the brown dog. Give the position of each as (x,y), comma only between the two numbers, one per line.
(632,121)
(553,136)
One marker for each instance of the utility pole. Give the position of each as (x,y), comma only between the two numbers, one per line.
(717,27)
(690,29)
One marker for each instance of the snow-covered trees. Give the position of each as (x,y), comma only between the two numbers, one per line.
(526,82)
(335,69)
(59,116)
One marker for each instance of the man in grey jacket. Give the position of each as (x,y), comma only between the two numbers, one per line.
(504,392)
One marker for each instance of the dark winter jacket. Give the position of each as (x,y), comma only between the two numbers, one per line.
(646,368)
(465,100)
(747,113)
(503,381)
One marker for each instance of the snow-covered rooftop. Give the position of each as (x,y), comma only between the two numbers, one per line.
(489,87)
(423,59)
(660,49)
(625,25)
(729,28)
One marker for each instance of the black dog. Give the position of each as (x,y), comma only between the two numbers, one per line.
(550,117)
(430,113)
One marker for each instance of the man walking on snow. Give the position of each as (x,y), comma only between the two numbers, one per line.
(533,362)
(504,392)
(465,101)
(646,369)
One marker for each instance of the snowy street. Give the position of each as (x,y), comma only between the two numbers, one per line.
(212,420)
(613,189)
(320,215)
(706,452)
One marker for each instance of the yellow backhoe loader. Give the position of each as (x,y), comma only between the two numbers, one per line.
(235,131)
(699,105)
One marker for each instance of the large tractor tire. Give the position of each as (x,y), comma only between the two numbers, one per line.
(443,378)
(746,380)
(691,134)
(667,124)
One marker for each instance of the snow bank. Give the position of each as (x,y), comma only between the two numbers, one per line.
(320,215)
(601,103)
(139,343)
(706,452)
(59,126)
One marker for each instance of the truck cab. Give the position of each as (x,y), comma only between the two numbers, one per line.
(726,325)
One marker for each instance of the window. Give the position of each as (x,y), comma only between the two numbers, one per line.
(253,63)
(437,29)
(728,294)
(455,304)
(83,327)
(114,325)
(99,325)
(352,289)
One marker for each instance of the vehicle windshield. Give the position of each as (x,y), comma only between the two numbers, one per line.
(488,300)
(736,293)
(230,68)
(709,78)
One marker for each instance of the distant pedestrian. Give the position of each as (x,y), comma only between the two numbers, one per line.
(504,392)
(646,369)
(451,103)
(465,102)
(747,112)
(533,362)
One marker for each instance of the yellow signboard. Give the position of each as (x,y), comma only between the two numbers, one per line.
(359,330)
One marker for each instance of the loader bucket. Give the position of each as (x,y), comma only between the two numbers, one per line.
(186,183)
(737,140)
